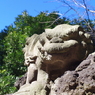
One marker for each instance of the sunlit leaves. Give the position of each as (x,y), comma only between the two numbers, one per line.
(6,82)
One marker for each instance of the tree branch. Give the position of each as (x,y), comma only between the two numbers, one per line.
(64,1)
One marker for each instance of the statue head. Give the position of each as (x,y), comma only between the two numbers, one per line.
(58,48)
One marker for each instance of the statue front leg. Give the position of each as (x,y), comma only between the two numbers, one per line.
(31,74)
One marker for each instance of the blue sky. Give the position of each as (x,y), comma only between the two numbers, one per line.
(10,9)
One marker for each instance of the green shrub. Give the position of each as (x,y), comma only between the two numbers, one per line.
(6,82)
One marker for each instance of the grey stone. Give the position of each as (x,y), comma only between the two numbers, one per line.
(78,82)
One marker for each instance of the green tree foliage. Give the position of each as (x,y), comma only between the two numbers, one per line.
(2,52)
(6,82)
(13,59)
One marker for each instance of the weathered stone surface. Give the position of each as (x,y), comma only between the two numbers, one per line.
(24,90)
(65,84)
(21,81)
(78,82)
(38,88)
(50,54)
(92,36)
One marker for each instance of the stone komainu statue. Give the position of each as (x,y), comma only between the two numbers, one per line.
(51,53)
